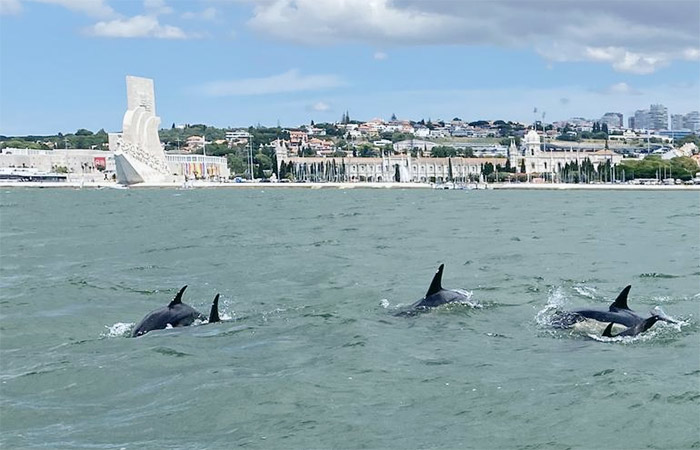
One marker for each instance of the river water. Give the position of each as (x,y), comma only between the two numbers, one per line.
(312,353)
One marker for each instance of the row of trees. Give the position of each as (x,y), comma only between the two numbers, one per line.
(82,138)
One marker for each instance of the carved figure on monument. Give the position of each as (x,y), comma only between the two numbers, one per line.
(138,154)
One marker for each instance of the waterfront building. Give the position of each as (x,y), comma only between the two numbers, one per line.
(193,167)
(388,168)
(77,164)
(550,161)
(97,165)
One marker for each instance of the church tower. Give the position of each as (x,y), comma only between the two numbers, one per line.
(532,144)
(513,155)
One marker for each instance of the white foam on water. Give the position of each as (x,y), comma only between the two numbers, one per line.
(385,303)
(556,299)
(662,299)
(469,301)
(119,329)
(585,291)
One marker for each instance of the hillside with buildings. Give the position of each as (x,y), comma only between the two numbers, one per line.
(394,149)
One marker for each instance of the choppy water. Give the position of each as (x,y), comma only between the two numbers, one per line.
(311,355)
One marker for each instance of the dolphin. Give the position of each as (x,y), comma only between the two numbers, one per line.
(639,328)
(176,314)
(618,312)
(437,296)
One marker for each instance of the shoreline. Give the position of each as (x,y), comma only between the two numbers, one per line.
(363,185)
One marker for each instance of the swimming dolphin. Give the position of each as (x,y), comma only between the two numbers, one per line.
(176,314)
(437,296)
(639,328)
(618,312)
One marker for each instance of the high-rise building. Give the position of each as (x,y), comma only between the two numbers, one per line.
(691,121)
(677,121)
(658,117)
(630,123)
(641,119)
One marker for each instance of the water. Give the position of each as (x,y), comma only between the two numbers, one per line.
(312,355)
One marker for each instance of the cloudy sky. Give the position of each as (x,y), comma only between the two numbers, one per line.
(244,62)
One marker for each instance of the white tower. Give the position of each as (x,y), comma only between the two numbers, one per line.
(513,155)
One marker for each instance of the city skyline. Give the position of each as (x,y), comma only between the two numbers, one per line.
(239,63)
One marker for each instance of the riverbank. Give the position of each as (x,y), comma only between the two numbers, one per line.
(364,185)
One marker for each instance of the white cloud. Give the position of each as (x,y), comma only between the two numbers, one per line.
(329,21)
(380,56)
(94,8)
(626,61)
(320,106)
(621,88)
(156,7)
(691,54)
(209,14)
(290,81)
(136,27)
(645,36)
(10,7)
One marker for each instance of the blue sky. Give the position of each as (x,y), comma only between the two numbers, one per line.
(242,62)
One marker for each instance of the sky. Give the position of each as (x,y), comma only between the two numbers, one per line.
(236,63)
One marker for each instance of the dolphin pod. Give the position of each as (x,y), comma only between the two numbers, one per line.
(176,314)
(618,312)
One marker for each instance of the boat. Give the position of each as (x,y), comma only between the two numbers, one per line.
(24,174)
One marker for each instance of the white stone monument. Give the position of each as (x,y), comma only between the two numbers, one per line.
(138,153)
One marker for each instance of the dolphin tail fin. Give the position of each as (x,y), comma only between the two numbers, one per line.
(214,313)
(178,298)
(621,300)
(608,331)
(436,284)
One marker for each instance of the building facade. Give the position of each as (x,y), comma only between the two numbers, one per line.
(77,164)
(538,161)
(395,168)
(196,167)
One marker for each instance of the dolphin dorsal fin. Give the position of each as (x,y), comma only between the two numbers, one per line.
(608,331)
(178,298)
(436,284)
(214,313)
(621,300)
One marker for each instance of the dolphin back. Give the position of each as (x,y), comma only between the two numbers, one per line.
(176,314)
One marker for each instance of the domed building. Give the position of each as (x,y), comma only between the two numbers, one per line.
(541,161)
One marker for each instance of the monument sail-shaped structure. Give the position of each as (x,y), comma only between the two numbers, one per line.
(138,154)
